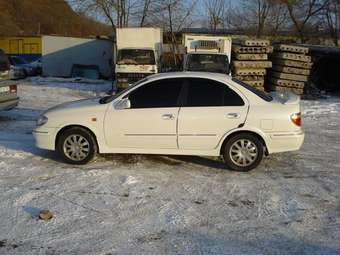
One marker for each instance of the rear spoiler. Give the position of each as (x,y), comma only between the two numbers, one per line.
(287,98)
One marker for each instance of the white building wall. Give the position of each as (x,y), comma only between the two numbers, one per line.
(59,54)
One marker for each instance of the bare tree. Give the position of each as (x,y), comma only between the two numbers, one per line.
(278,18)
(115,12)
(262,12)
(258,17)
(172,16)
(216,13)
(331,15)
(145,12)
(301,12)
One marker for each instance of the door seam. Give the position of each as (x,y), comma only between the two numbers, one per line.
(177,123)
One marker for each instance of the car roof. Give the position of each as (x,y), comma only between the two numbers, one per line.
(204,75)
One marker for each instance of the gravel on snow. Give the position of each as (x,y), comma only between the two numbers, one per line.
(139,204)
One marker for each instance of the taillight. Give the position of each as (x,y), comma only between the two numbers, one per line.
(13,88)
(296,118)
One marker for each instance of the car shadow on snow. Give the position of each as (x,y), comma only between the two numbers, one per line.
(202,161)
(170,160)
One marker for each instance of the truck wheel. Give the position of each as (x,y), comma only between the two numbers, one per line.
(243,152)
(77,146)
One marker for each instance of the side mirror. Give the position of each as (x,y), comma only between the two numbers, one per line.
(123,104)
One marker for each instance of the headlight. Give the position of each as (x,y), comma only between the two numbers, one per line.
(42,120)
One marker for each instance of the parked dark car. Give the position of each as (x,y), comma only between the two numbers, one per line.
(27,68)
(8,89)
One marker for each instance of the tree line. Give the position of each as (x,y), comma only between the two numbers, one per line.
(301,18)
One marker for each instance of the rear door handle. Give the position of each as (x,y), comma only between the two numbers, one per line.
(233,115)
(168,116)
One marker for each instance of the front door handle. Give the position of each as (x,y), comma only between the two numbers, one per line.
(233,115)
(168,116)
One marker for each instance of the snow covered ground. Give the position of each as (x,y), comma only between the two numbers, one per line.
(124,204)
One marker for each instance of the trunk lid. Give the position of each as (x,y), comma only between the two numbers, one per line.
(285,98)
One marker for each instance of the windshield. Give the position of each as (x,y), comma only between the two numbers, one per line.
(136,57)
(18,61)
(208,62)
(257,92)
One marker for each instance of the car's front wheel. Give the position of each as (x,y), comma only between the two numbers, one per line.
(76,146)
(243,152)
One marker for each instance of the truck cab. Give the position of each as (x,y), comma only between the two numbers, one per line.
(207,53)
(138,54)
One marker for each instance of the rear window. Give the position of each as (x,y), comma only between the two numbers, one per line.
(265,96)
(210,93)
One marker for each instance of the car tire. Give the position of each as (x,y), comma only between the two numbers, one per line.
(243,152)
(77,146)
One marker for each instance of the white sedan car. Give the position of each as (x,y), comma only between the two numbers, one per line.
(183,113)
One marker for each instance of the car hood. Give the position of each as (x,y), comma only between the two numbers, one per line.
(75,105)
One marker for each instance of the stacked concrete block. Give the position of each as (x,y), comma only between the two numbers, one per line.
(250,61)
(291,69)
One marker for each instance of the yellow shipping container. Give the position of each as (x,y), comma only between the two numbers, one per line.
(27,47)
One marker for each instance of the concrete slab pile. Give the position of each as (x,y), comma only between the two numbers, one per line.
(250,61)
(291,69)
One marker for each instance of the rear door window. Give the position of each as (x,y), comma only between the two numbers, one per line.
(210,93)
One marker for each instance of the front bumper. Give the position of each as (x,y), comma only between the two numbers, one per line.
(9,104)
(45,138)
(282,142)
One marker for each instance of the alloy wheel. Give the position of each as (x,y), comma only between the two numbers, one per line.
(243,152)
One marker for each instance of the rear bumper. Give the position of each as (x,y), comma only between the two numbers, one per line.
(45,138)
(282,142)
(9,104)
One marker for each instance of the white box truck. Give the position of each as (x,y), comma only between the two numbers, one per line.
(138,54)
(207,53)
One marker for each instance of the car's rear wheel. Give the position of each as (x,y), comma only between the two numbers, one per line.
(243,152)
(76,146)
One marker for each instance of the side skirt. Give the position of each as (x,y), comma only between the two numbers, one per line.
(213,153)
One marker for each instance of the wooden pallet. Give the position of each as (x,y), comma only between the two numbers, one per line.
(249,71)
(239,56)
(287,76)
(252,64)
(291,48)
(251,49)
(286,83)
(292,63)
(291,70)
(292,56)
